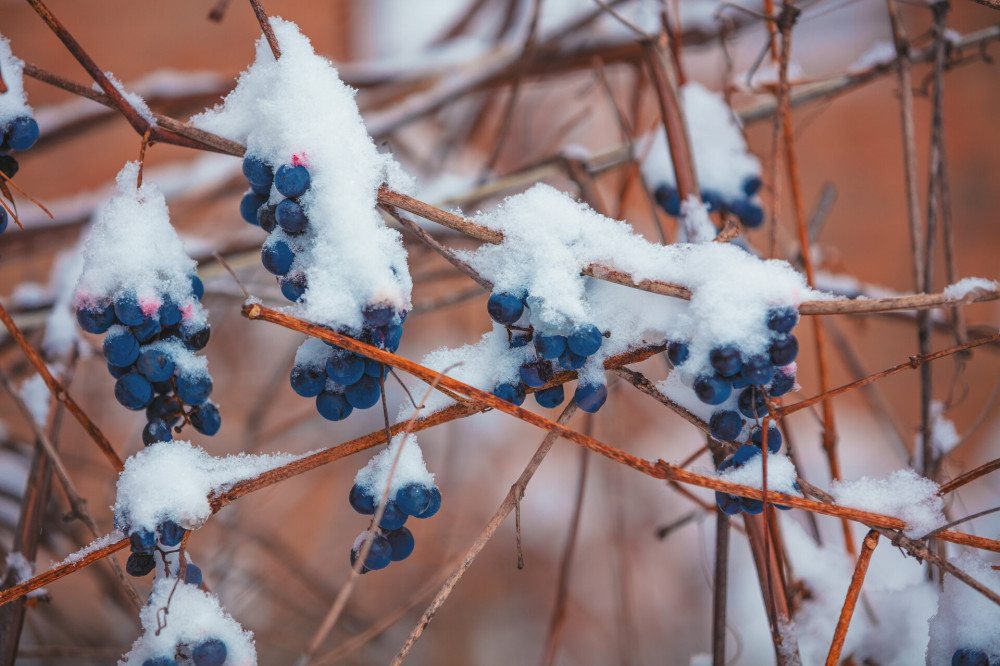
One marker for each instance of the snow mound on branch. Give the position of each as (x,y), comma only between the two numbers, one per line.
(903,494)
(410,468)
(968,286)
(180,616)
(14,102)
(173,480)
(297,110)
(781,474)
(965,618)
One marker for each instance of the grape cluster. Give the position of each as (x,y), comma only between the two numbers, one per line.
(732,504)
(746,208)
(209,652)
(391,540)
(566,349)
(755,377)
(971,657)
(18,134)
(149,347)
(144,544)
(340,380)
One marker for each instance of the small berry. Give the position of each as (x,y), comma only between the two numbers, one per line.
(550,346)
(170,533)
(196,337)
(752,403)
(969,657)
(728,504)
(585,340)
(504,308)
(308,380)
(744,454)
(266,219)
(433,507)
(22,133)
(95,317)
(292,180)
(257,172)
(570,360)
(159,661)
(147,330)
(513,393)
(782,320)
(139,564)
(194,389)
(363,393)
(379,555)
(590,397)
(209,653)
(712,389)
(413,498)
(333,406)
(401,542)
(120,347)
(536,374)
(725,425)
(751,185)
(757,369)
(751,506)
(127,309)
(197,287)
(344,367)
(192,575)
(155,431)
(206,419)
(361,500)
(142,541)
(156,365)
(290,216)
(293,286)
(550,397)
(726,360)
(277,257)
(170,313)
(773,438)
(668,199)
(677,352)
(250,204)
(784,348)
(782,383)
(133,391)
(378,314)
(392,518)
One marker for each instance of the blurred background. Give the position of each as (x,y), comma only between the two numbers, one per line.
(277,557)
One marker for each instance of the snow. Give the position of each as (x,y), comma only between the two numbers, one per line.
(965,618)
(112,537)
(173,480)
(879,53)
(14,102)
(61,332)
(37,397)
(374,476)
(132,246)
(968,286)
(190,616)
(721,156)
(944,436)
(297,108)
(134,99)
(781,474)
(29,295)
(697,226)
(22,568)
(903,494)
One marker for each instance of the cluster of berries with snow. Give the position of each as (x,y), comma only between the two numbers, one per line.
(18,129)
(412,493)
(139,288)
(732,504)
(144,544)
(553,349)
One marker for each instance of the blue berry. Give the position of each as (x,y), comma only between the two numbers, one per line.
(206,419)
(333,406)
(725,425)
(751,506)
(751,185)
(171,533)
(194,388)
(782,383)
(784,348)
(196,337)
(117,372)
(389,336)
(433,507)
(504,308)
(155,431)
(266,219)
(393,517)
(570,360)
(159,661)
(744,454)
(308,380)
(782,320)
(164,408)
(752,403)
(713,200)
(550,397)
(379,555)
(773,438)
(677,352)
(3,220)
(363,393)
(133,391)
(277,257)
(293,286)
(344,367)
(758,369)
(590,397)
(250,204)
(376,315)
(211,652)
(139,564)
(550,346)
(712,389)
(726,360)
(518,338)
(536,374)
(292,180)
(120,347)
(95,317)
(147,330)
(750,214)
(413,498)
(728,504)
(401,542)
(668,199)
(156,365)
(291,217)
(361,500)
(192,575)
(170,313)
(197,287)
(585,340)
(127,309)
(257,172)
(513,393)
(22,133)
(142,541)
(969,657)
(374,369)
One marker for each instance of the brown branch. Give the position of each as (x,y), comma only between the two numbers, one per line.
(853,592)
(265,26)
(969,477)
(54,574)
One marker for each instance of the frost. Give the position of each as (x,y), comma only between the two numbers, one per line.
(297,109)
(410,468)
(173,480)
(190,616)
(21,567)
(903,494)
(134,99)
(968,286)
(880,53)
(965,618)
(95,545)
(36,396)
(14,102)
(781,474)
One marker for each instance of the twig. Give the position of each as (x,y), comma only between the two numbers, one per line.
(218,11)
(978,514)
(720,588)
(853,592)
(640,33)
(969,477)
(265,26)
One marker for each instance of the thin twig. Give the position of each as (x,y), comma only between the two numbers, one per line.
(853,592)
(265,26)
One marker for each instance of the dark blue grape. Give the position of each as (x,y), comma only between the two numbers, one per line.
(156,365)
(133,391)
(170,533)
(726,360)
(250,204)
(590,397)
(391,337)
(513,393)
(677,352)
(196,336)
(257,172)
(751,185)
(550,346)
(363,393)
(712,389)
(192,575)
(393,517)
(750,214)
(194,388)
(211,652)
(22,133)
(713,200)
(433,507)
(344,367)
(142,541)
(376,315)
(140,564)
(518,338)
(728,504)
(266,219)
(333,406)
(361,500)
(117,372)
(570,360)
(159,661)
(757,369)
(95,317)
(504,308)
(751,506)
(147,330)
(379,555)
(120,347)
(782,320)
(8,167)
(752,403)
(127,309)
(550,397)
(291,217)
(585,340)
(292,180)
(784,348)
(197,287)
(155,431)
(374,369)
(536,374)
(726,425)
(170,313)
(277,257)
(293,286)
(308,380)
(206,419)
(3,220)
(773,438)
(782,383)
(164,408)
(969,657)
(413,498)
(669,200)
(744,454)
(401,542)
